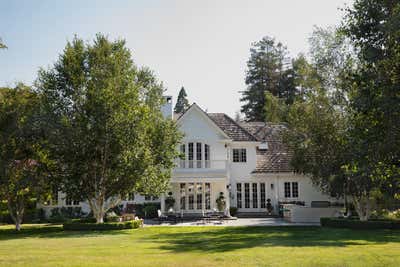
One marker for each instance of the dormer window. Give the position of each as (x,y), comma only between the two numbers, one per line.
(239,155)
(263,146)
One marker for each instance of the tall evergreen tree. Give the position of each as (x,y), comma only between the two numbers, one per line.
(182,103)
(266,72)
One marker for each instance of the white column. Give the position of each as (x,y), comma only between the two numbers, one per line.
(228,201)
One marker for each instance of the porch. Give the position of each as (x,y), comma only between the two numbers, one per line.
(195,196)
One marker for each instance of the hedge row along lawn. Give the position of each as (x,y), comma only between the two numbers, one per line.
(49,245)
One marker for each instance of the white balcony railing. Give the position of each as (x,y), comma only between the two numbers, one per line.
(201,164)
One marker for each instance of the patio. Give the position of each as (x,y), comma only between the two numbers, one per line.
(231,222)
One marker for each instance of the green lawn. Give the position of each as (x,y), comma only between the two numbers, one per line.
(199,246)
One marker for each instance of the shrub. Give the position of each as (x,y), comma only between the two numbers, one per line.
(84,220)
(357,224)
(233,211)
(113,218)
(79,226)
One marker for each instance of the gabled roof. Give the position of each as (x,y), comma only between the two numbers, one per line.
(194,106)
(277,157)
(231,128)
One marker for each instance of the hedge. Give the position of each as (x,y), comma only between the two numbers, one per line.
(357,224)
(79,226)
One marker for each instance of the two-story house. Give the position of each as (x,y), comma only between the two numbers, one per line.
(247,162)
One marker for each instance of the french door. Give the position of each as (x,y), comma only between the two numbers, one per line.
(251,197)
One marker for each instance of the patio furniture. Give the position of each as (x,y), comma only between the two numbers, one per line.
(161,217)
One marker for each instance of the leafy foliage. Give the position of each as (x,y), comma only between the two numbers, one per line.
(23,162)
(105,127)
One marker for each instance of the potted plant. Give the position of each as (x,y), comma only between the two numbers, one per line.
(169,201)
(221,202)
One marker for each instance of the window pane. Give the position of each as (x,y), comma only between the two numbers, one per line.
(183,156)
(190,155)
(262,196)
(243,157)
(198,155)
(255,196)
(287,189)
(235,155)
(207,195)
(295,189)
(191,195)
(199,196)
(207,155)
(246,195)
(239,195)
(183,196)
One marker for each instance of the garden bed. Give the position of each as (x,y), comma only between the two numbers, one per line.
(357,224)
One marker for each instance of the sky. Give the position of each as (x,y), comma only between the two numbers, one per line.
(202,45)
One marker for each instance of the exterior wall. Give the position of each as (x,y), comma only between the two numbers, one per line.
(274,187)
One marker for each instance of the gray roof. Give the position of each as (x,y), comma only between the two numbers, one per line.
(231,128)
(277,157)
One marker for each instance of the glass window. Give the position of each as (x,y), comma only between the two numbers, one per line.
(262,195)
(207,155)
(287,189)
(183,196)
(131,197)
(198,155)
(190,155)
(246,195)
(191,195)
(207,195)
(199,196)
(183,155)
(239,195)
(239,155)
(295,189)
(255,196)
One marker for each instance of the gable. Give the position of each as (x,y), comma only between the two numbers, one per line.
(196,125)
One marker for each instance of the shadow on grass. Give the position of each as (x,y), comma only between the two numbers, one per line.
(51,231)
(233,238)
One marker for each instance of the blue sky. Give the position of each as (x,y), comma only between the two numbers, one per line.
(202,45)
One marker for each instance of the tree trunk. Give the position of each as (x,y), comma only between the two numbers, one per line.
(16,211)
(362,204)
(99,206)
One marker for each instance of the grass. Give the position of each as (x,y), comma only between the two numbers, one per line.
(48,245)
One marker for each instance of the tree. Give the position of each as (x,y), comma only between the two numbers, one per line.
(22,159)
(373,28)
(275,110)
(182,103)
(2,45)
(265,73)
(104,124)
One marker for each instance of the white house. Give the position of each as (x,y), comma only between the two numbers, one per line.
(247,162)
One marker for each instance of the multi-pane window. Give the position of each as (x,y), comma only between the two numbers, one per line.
(191,195)
(183,155)
(198,155)
(207,195)
(255,196)
(207,156)
(262,195)
(295,189)
(190,155)
(130,197)
(287,189)
(183,196)
(239,155)
(70,202)
(199,196)
(239,195)
(246,195)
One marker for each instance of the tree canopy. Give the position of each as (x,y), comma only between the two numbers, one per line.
(104,124)
(23,161)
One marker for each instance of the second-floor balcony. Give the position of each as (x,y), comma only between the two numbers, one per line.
(200,165)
